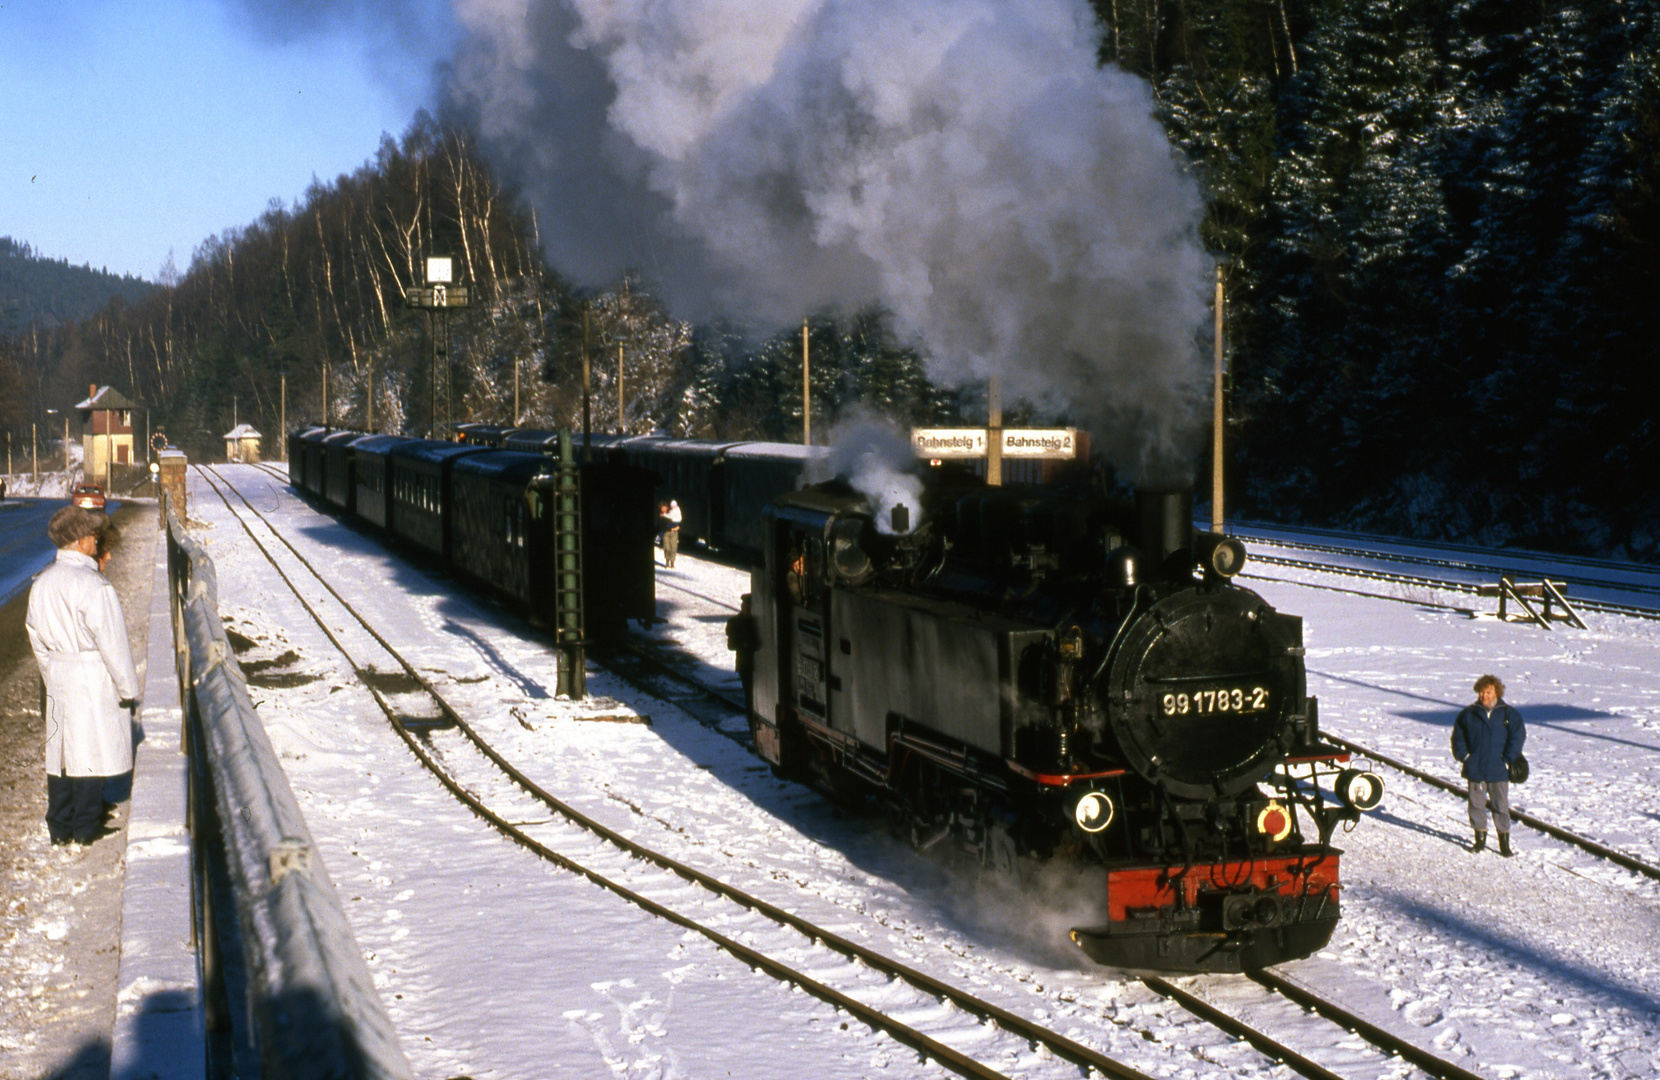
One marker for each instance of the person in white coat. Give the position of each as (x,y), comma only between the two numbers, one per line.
(79,638)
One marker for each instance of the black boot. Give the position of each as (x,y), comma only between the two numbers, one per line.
(1504,844)
(1481,840)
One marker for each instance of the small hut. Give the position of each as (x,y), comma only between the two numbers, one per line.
(242,444)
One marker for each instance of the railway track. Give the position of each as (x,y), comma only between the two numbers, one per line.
(479,777)
(834,968)
(1489,562)
(1429,583)
(1567,836)
(1279,993)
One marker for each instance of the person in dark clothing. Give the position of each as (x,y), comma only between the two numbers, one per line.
(743,637)
(1487,736)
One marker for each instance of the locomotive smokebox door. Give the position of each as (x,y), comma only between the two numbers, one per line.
(1204,692)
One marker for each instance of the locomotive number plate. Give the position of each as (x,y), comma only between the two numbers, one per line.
(1237,699)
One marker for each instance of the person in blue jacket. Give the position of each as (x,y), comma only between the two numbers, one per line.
(1487,737)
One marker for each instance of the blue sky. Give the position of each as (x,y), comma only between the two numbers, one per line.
(134,128)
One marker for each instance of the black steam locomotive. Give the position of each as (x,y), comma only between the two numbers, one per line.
(1030,674)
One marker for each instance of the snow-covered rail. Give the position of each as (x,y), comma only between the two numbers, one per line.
(1634,595)
(945,1022)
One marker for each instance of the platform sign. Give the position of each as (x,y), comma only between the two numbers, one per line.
(1050,444)
(949,442)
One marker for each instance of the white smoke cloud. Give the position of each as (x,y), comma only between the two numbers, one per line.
(876,458)
(965,163)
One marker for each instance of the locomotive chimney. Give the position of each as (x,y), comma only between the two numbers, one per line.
(1164,520)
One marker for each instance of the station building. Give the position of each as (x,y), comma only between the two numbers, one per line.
(106,431)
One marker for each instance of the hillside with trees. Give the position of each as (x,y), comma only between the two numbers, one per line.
(309,302)
(40,295)
(1438,222)
(38,291)
(1440,226)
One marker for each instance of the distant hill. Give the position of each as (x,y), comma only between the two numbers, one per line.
(38,291)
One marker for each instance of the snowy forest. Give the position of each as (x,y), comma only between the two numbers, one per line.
(1438,223)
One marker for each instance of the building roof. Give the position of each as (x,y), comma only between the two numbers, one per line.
(243,431)
(106,397)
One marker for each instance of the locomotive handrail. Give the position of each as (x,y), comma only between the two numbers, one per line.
(312,1009)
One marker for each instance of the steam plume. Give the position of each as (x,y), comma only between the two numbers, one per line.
(877,459)
(965,163)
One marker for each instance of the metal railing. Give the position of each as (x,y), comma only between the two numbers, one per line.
(311,1007)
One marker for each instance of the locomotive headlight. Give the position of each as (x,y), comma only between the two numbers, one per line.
(1274,821)
(1218,554)
(1358,789)
(1093,812)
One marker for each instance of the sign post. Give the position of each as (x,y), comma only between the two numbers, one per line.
(437,297)
(996,444)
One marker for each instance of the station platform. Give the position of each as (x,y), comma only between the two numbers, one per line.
(158,1030)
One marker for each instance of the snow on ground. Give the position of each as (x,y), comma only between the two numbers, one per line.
(493,964)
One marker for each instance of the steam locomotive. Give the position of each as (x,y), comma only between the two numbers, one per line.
(1030,674)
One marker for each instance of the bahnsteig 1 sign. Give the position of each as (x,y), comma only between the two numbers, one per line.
(949,442)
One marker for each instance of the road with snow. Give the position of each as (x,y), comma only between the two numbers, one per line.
(495,964)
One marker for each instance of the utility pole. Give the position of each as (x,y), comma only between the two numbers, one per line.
(994,432)
(515,389)
(34,442)
(806,388)
(325,394)
(587,394)
(621,400)
(369,400)
(1216,419)
(282,416)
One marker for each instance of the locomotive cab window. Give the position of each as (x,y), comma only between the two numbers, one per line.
(804,574)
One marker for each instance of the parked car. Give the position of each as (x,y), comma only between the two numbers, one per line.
(88,496)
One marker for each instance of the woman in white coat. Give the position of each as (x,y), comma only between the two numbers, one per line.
(79,637)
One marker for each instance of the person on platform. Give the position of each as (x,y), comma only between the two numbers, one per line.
(1487,736)
(671,532)
(79,638)
(743,637)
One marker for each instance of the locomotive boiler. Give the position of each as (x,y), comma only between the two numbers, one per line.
(1031,674)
